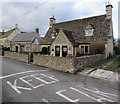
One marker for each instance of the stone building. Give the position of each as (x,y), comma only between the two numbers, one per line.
(5,37)
(77,36)
(27,42)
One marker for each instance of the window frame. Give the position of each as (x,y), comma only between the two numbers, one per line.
(53,35)
(26,50)
(89,32)
(84,49)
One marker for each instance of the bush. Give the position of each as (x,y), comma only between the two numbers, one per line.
(69,55)
(97,47)
(117,50)
(80,54)
(5,48)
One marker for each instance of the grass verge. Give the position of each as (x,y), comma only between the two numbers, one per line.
(114,65)
(102,62)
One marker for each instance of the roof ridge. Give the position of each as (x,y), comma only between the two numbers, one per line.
(80,19)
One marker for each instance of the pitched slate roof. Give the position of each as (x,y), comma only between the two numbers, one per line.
(25,37)
(69,35)
(40,41)
(100,24)
(6,34)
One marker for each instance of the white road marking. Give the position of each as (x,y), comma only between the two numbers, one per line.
(46,101)
(15,87)
(46,82)
(27,82)
(6,76)
(98,100)
(65,97)
(49,77)
(100,92)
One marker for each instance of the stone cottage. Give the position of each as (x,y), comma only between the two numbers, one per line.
(78,36)
(27,42)
(5,37)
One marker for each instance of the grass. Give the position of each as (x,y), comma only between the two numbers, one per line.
(102,62)
(114,65)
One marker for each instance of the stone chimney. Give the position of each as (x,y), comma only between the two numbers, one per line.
(3,32)
(37,30)
(52,21)
(16,25)
(109,11)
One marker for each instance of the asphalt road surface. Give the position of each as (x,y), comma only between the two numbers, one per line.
(23,82)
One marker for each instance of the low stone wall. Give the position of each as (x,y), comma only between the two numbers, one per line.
(58,63)
(17,56)
(66,64)
(84,61)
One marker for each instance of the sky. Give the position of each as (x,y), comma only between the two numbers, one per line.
(30,15)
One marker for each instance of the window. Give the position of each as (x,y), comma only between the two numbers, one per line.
(84,49)
(53,35)
(89,32)
(26,48)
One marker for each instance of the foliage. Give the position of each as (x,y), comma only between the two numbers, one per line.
(114,65)
(80,69)
(97,47)
(102,62)
(80,54)
(5,48)
(69,55)
(117,50)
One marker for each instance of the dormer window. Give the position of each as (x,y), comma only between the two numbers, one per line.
(53,35)
(89,30)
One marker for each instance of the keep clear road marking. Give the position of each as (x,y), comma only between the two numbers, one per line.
(101,93)
(6,76)
(98,100)
(65,97)
(15,87)
(28,80)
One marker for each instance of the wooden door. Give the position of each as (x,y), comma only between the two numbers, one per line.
(57,50)
(64,51)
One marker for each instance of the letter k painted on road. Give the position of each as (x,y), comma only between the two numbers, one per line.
(16,88)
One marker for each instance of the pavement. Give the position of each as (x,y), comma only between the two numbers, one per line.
(22,82)
(102,74)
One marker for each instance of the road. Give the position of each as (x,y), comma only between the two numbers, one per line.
(22,82)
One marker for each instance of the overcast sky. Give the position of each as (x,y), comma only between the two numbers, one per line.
(29,15)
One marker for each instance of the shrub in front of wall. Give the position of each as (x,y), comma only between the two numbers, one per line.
(69,55)
(5,48)
(117,50)
(97,47)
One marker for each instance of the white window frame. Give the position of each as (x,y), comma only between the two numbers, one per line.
(89,32)
(84,49)
(26,48)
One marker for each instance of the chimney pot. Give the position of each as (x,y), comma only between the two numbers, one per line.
(37,30)
(109,11)
(16,25)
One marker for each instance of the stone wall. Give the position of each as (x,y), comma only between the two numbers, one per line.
(17,56)
(84,61)
(66,64)
(58,63)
